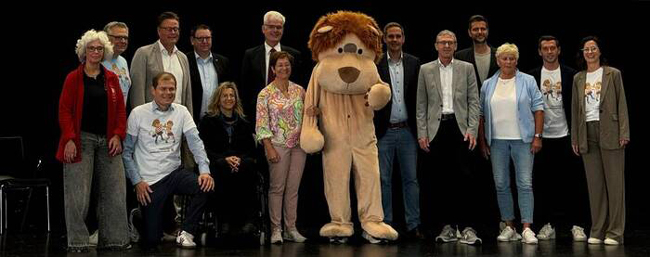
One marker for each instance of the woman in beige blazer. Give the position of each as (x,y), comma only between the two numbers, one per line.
(600,131)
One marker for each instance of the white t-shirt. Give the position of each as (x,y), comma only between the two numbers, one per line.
(555,123)
(157,150)
(504,111)
(592,94)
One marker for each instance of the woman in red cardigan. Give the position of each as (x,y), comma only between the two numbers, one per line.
(93,124)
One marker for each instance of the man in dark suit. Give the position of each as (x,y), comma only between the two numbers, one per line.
(556,166)
(395,127)
(256,73)
(207,70)
(480,54)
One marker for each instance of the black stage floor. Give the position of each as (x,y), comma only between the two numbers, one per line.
(637,244)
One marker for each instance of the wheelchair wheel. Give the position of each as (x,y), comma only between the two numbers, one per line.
(262,238)
(204,238)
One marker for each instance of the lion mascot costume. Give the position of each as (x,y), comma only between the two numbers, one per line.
(345,86)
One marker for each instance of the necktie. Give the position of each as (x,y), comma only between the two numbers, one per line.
(270,75)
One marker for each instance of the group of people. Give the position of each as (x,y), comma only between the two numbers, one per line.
(191,130)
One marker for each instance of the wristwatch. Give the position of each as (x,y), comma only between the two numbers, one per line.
(538,135)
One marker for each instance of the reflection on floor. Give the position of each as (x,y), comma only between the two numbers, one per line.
(637,244)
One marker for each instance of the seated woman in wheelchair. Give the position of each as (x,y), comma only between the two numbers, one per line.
(229,143)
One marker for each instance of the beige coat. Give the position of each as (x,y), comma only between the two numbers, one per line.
(614,123)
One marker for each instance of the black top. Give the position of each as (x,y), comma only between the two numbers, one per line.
(95,108)
(219,143)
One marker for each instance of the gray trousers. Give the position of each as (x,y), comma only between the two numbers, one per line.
(108,173)
(605,170)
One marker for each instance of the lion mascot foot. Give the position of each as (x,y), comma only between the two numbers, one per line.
(379,230)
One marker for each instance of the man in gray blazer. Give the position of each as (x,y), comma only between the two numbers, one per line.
(447,115)
(162,55)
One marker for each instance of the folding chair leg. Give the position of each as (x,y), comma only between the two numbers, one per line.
(2,211)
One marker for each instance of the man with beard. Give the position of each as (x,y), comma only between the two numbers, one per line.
(481,54)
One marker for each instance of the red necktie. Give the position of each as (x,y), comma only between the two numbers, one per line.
(270,75)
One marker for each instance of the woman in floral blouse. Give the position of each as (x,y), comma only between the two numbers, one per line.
(278,124)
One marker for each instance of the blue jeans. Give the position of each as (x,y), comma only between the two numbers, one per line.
(400,142)
(501,152)
(109,177)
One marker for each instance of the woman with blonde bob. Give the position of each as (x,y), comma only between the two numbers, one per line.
(93,124)
(229,143)
(510,127)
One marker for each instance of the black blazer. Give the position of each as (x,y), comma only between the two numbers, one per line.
(467,55)
(221,64)
(218,145)
(411,71)
(253,74)
(567,74)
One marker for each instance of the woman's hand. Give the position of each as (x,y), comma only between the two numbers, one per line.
(234,162)
(623,142)
(313,111)
(576,149)
(70,151)
(114,146)
(272,155)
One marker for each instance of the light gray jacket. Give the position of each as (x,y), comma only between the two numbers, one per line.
(429,100)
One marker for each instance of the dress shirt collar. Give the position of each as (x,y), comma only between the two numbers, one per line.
(164,50)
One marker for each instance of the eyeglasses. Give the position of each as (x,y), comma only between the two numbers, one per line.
(99,49)
(171,29)
(449,43)
(592,49)
(120,38)
(203,39)
(276,27)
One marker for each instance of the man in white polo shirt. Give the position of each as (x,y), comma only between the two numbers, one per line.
(152,160)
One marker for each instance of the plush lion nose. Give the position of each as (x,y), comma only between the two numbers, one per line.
(349,74)
(350,48)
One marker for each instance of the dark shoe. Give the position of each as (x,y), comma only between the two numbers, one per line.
(414,234)
(77,249)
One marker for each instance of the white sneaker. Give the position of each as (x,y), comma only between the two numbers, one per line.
(93,240)
(370,238)
(447,235)
(528,236)
(508,234)
(578,234)
(594,241)
(546,233)
(609,241)
(185,240)
(276,237)
(294,236)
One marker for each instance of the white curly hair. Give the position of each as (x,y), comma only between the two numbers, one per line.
(508,48)
(90,36)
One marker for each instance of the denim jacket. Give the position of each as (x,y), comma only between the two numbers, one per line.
(529,100)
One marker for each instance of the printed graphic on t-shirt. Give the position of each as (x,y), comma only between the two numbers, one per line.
(552,92)
(122,73)
(163,131)
(592,93)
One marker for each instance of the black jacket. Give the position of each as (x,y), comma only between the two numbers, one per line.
(467,55)
(218,145)
(411,71)
(221,64)
(253,74)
